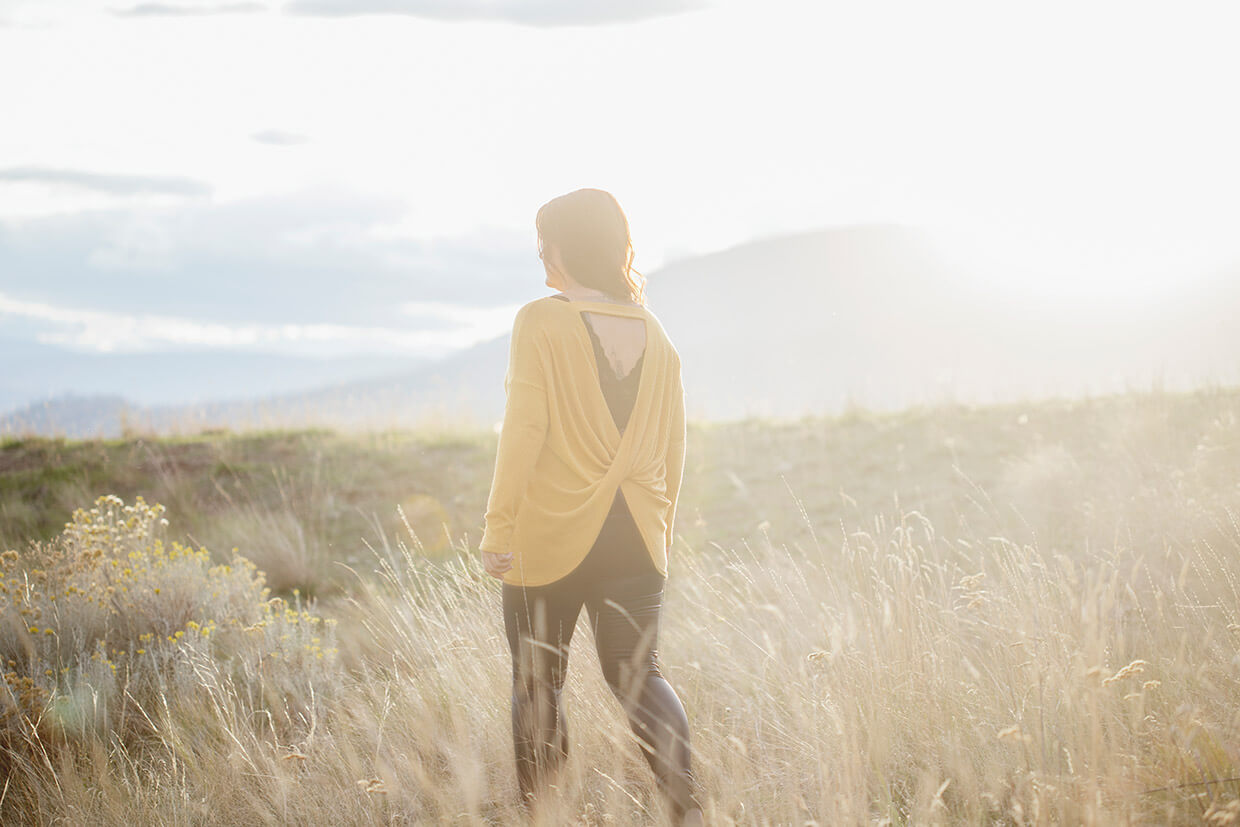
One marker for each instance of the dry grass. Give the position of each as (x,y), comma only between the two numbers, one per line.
(1022,616)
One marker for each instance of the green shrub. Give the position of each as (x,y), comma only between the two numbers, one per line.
(108,630)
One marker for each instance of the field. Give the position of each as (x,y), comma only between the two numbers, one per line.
(1017,615)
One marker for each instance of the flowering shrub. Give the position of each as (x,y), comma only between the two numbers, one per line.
(109,627)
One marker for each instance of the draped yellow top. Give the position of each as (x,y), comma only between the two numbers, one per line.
(561,457)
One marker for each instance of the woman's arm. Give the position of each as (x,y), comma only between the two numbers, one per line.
(522,436)
(675,452)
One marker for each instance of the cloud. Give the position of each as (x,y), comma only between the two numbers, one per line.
(278,137)
(106,183)
(317,260)
(170,10)
(525,12)
(445,328)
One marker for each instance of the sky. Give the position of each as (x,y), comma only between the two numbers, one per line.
(354,176)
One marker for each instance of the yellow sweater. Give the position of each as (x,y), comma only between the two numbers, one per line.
(561,456)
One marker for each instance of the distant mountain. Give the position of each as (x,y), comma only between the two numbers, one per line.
(71,415)
(877,316)
(58,388)
(463,388)
(32,371)
(806,322)
(809,323)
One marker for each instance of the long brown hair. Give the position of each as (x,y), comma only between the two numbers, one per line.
(592,234)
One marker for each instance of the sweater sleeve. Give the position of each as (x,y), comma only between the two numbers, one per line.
(521,436)
(675,453)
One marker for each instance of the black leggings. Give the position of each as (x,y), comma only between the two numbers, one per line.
(623,595)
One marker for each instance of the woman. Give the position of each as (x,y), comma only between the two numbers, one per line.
(587,475)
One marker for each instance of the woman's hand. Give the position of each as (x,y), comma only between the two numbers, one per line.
(496,564)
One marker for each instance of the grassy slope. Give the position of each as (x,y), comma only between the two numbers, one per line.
(921,617)
(1055,472)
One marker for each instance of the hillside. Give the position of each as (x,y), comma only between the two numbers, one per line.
(886,317)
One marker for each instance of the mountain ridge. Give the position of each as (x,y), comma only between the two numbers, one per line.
(805,323)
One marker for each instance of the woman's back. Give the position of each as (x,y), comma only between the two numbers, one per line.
(559,476)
